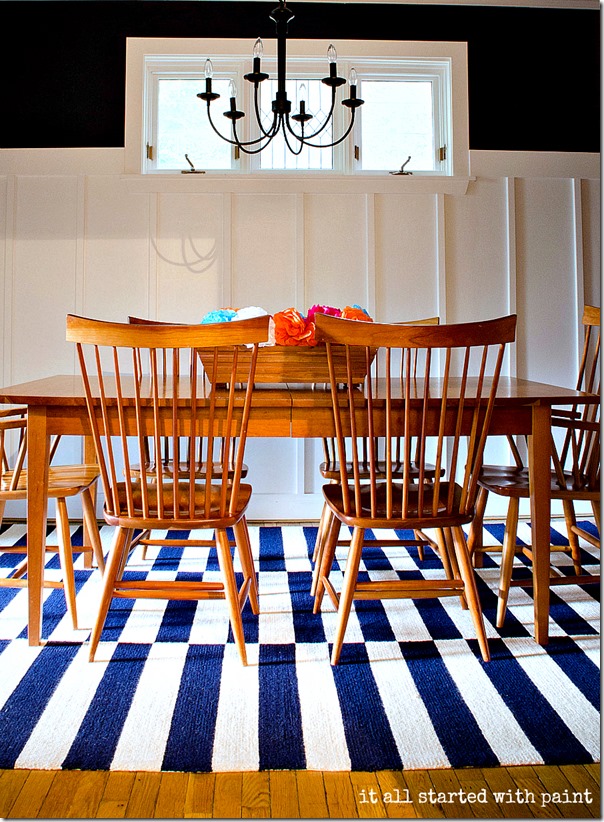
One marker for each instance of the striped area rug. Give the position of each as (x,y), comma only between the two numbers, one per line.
(168,691)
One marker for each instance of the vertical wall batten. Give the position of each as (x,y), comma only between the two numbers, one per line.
(510,216)
(579,269)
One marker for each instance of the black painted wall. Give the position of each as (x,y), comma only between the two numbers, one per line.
(534,74)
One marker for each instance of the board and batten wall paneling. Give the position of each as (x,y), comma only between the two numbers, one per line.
(190,256)
(336,250)
(406,257)
(546,280)
(77,236)
(264,238)
(591,223)
(46,265)
(117,266)
(476,241)
(7,191)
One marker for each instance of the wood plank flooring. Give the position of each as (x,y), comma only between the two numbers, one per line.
(571,791)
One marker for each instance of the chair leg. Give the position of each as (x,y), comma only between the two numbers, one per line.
(471,591)
(323,522)
(348,589)
(119,549)
(66,557)
(420,544)
(475,544)
(595,506)
(230,590)
(242,539)
(323,568)
(455,572)
(573,539)
(93,528)
(507,559)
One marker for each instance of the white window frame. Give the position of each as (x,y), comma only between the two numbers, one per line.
(145,56)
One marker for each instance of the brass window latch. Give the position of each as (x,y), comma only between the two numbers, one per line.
(191,170)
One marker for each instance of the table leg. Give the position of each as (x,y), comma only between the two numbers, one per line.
(89,458)
(37,509)
(540,473)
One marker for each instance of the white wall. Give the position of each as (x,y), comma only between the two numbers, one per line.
(79,236)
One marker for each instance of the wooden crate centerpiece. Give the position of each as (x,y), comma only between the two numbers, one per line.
(286,363)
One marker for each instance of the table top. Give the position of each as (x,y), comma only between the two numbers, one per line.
(67,390)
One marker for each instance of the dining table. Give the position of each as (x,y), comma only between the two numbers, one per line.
(56,406)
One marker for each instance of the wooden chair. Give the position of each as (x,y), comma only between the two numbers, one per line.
(178,403)
(575,476)
(163,457)
(63,481)
(330,471)
(459,415)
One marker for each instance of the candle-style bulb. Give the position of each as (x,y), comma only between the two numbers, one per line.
(209,69)
(232,89)
(352,77)
(332,54)
(258,48)
(302,91)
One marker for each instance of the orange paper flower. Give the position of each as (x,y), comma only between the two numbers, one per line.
(355,312)
(292,329)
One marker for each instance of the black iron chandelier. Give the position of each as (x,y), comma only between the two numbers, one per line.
(295,138)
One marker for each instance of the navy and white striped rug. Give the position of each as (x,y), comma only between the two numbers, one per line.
(168,691)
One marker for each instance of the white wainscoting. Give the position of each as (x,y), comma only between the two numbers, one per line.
(77,236)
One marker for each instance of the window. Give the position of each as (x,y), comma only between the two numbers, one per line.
(406,120)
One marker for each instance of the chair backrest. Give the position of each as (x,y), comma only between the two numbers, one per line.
(127,406)
(445,411)
(12,460)
(580,451)
(330,450)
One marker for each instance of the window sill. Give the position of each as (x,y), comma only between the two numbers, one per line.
(294,184)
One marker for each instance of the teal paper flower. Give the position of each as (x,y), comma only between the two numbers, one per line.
(222,315)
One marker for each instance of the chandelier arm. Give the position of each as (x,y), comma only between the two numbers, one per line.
(253,150)
(336,142)
(236,141)
(295,151)
(325,124)
(273,129)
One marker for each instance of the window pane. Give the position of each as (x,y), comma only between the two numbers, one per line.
(318,102)
(183,127)
(396,121)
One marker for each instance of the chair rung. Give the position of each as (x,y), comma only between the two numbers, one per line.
(586,536)
(579,579)
(182,543)
(19,582)
(243,592)
(159,589)
(167,593)
(416,589)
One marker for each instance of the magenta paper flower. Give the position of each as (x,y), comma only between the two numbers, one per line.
(322,309)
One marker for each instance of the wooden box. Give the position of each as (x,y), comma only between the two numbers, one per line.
(283,363)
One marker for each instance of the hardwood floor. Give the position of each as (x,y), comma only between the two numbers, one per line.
(571,791)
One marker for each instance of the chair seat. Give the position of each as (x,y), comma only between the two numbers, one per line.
(331,470)
(429,519)
(200,517)
(167,469)
(512,481)
(63,481)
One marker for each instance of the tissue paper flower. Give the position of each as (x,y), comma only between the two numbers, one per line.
(222,315)
(355,312)
(250,311)
(288,327)
(322,309)
(291,328)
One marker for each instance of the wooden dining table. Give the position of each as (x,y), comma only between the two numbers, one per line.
(56,405)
